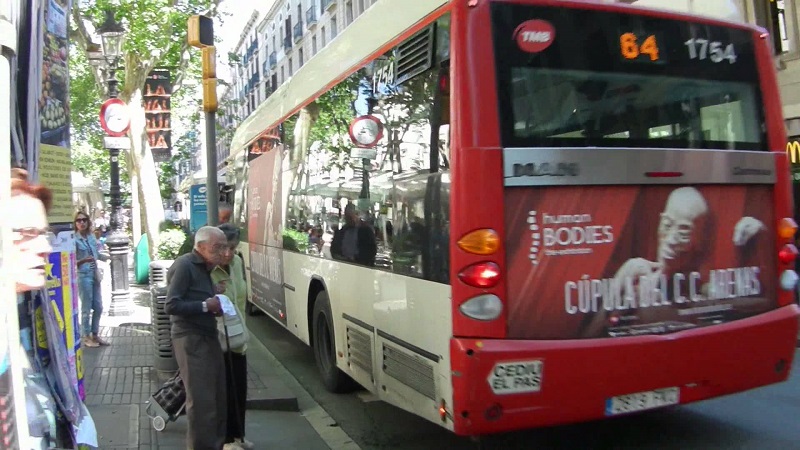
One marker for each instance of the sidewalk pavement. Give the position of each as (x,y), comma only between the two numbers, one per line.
(119,379)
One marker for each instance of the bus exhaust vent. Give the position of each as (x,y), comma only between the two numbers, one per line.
(414,56)
(412,371)
(359,349)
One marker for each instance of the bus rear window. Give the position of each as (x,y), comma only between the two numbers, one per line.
(573,78)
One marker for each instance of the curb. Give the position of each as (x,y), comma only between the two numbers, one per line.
(327,428)
(286,404)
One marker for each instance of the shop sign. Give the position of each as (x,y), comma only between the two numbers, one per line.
(793,150)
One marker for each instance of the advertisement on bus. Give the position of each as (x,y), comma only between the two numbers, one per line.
(616,261)
(264,234)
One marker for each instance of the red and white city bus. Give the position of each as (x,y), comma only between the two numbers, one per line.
(507,214)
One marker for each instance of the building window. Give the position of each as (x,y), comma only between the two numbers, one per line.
(777,17)
(300,56)
(290,66)
(780,29)
(313,45)
(322,36)
(362,6)
(333,27)
(348,13)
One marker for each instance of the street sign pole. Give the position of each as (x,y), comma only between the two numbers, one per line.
(200,34)
(211,161)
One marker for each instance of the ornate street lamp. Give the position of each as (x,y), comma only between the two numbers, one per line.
(112,34)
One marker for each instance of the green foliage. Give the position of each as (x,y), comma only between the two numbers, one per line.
(187,246)
(295,240)
(334,114)
(169,244)
(84,104)
(168,225)
(94,163)
(156,29)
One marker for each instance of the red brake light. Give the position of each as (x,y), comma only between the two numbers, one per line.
(787,254)
(481,275)
(444,83)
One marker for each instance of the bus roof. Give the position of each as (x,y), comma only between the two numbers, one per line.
(366,35)
(718,9)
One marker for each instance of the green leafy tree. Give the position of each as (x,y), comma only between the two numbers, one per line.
(156,37)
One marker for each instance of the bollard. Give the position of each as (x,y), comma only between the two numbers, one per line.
(164,360)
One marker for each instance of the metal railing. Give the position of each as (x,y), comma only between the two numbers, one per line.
(311,16)
(298,31)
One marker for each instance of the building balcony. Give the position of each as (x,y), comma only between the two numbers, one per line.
(287,43)
(311,16)
(298,31)
(273,60)
(328,4)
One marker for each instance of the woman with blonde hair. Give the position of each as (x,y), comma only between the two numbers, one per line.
(88,281)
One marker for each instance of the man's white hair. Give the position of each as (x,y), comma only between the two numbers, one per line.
(206,233)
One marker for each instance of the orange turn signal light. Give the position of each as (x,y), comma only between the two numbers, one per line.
(787,227)
(484,241)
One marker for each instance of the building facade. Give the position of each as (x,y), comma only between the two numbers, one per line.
(273,48)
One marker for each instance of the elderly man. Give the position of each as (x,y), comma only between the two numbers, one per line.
(193,308)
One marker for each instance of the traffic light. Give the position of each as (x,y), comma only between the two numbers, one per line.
(210,79)
(201,34)
(201,31)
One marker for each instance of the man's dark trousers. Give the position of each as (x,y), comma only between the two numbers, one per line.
(203,372)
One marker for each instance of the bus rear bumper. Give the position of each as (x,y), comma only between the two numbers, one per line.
(577,377)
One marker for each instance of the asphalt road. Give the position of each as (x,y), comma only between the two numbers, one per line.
(763,419)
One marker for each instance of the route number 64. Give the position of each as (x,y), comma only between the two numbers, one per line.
(704,49)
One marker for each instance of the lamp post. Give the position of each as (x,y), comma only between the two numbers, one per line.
(111,34)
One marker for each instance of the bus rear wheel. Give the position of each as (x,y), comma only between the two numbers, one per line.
(324,342)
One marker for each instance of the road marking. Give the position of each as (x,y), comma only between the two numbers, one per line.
(331,433)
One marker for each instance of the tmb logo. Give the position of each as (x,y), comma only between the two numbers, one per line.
(534,36)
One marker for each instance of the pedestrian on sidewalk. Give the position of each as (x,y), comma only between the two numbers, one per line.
(89,278)
(193,308)
(229,280)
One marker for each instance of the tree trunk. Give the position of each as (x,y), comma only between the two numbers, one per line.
(144,166)
(136,206)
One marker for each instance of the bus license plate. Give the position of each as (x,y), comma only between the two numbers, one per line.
(641,401)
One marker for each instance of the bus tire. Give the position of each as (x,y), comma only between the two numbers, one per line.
(250,309)
(324,344)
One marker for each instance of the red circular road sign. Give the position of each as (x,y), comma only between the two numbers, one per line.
(115,117)
(366,131)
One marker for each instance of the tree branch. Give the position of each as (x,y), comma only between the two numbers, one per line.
(84,39)
(213,10)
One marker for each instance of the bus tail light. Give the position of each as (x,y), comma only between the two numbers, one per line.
(480,242)
(483,307)
(789,280)
(787,227)
(787,254)
(481,275)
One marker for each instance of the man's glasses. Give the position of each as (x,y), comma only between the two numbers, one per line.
(219,248)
